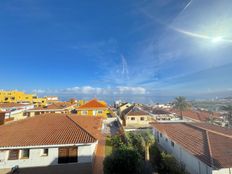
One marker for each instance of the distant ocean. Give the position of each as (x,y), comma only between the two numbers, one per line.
(134,99)
(145,99)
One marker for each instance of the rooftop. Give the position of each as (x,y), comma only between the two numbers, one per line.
(94,103)
(211,144)
(49,129)
(199,116)
(136,112)
(58,105)
(11,105)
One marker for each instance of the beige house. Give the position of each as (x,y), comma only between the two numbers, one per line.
(137,118)
(58,108)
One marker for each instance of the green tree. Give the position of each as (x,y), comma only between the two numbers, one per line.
(156,158)
(171,165)
(228,109)
(148,140)
(117,142)
(136,141)
(181,104)
(123,161)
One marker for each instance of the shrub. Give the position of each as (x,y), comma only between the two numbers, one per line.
(123,160)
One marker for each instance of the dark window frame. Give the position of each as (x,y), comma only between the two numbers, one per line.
(25,155)
(12,156)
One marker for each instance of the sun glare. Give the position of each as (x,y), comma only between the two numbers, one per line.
(216,39)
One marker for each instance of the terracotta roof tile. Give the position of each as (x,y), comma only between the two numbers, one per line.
(46,129)
(92,104)
(57,105)
(10,105)
(199,139)
(200,116)
(92,124)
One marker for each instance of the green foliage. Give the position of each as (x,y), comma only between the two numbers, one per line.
(156,158)
(123,160)
(171,165)
(135,140)
(164,163)
(117,142)
(181,104)
(108,146)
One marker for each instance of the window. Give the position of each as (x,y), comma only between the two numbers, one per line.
(67,155)
(99,112)
(132,118)
(25,153)
(172,143)
(142,118)
(84,112)
(44,152)
(13,155)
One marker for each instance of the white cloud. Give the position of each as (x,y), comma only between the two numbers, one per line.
(131,90)
(89,90)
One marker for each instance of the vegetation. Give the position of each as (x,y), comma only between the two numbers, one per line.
(181,104)
(228,109)
(165,163)
(108,146)
(138,154)
(123,160)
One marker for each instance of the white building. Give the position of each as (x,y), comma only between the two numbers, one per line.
(201,148)
(15,111)
(50,143)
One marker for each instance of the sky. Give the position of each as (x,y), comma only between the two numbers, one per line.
(137,50)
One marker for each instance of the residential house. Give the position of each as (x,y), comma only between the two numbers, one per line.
(50,143)
(123,107)
(93,108)
(136,118)
(200,147)
(21,97)
(196,115)
(162,114)
(58,107)
(15,111)
(52,99)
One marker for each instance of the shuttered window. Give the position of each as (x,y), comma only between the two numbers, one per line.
(67,155)
(13,155)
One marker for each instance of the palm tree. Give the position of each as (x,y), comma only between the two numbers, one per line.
(228,109)
(148,140)
(181,104)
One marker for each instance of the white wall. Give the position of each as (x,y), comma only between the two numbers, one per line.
(192,164)
(223,171)
(85,154)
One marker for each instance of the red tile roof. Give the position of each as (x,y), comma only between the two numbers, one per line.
(94,103)
(199,116)
(137,113)
(11,105)
(211,144)
(54,106)
(47,129)
(92,124)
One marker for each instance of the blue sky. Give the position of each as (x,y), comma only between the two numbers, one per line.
(132,49)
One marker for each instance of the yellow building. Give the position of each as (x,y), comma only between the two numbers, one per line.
(21,97)
(93,108)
